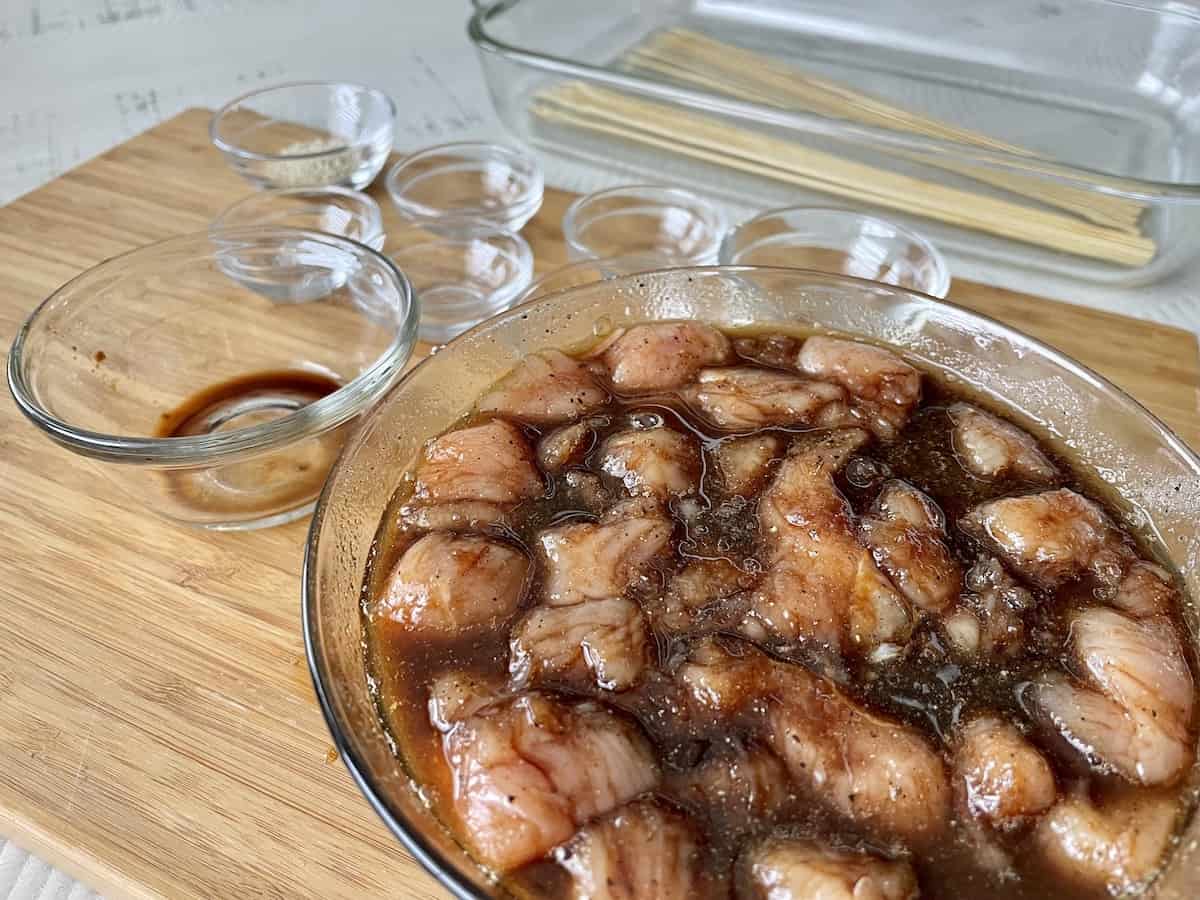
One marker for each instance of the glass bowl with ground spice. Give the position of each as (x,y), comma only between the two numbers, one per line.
(210,400)
(306,134)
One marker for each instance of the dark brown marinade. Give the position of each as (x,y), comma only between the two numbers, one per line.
(924,688)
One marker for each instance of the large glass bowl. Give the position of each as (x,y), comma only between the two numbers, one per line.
(1155,478)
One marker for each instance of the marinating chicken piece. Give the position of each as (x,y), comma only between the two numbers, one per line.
(1003,778)
(568,444)
(457,695)
(740,785)
(745,461)
(1117,846)
(1146,590)
(597,560)
(907,536)
(988,622)
(652,462)
(885,388)
(642,850)
(798,869)
(546,388)
(702,596)
(528,771)
(989,447)
(462,515)
(448,583)
(664,356)
(1134,712)
(1050,538)
(745,398)
(876,772)
(602,640)
(822,584)
(488,463)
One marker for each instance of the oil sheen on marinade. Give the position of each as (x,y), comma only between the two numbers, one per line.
(963,703)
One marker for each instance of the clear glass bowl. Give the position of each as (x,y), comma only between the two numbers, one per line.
(1154,474)
(588,271)
(841,242)
(670,224)
(332,210)
(306,134)
(462,278)
(110,359)
(467,182)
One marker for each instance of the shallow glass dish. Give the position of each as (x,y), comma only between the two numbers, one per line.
(841,242)
(1078,112)
(331,210)
(462,278)
(1155,476)
(669,224)
(306,134)
(111,359)
(588,271)
(447,186)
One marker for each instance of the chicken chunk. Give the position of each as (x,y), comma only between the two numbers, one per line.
(457,695)
(822,584)
(568,444)
(447,583)
(641,850)
(988,620)
(885,388)
(745,462)
(545,388)
(528,771)
(1133,714)
(1115,846)
(991,447)
(652,462)
(598,560)
(1145,590)
(664,356)
(460,515)
(702,596)
(907,537)
(745,398)
(798,869)
(1050,538)
(740,785)
(602,640)
(1003,778)
(488,463)
(876,772)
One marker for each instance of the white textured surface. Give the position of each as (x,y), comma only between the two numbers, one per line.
(78,76)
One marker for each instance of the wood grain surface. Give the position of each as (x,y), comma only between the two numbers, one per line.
(158,730)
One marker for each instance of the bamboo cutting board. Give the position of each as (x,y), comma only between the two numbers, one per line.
(158,731)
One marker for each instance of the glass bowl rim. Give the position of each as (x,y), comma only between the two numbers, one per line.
(528,202)
(242,153)
(373,214)
(914,237)
(410,834)
(714,215)
(317,417)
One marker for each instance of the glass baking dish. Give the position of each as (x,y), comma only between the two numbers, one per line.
(1056,134)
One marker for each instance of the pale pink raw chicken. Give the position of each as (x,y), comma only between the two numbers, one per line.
(743,398)
(1003,779)
(989,447)
(491,463)
(798,869)
(546,388)
(652,462)
(664,356)
(885,388)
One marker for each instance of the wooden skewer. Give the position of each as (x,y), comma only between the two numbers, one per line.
(701,137)
(693,58)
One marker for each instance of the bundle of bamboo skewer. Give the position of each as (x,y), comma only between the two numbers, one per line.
(1089,224)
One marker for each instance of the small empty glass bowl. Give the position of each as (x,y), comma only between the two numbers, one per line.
(841,242)
(670,224)
(464,278)
(332,210)
(588,271)
(457,184)
(306,134)
(207,401)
